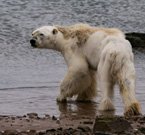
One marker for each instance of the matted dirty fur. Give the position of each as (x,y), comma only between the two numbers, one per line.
(89,51)
(83,31)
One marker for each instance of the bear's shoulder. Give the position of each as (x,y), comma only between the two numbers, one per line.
(83,31)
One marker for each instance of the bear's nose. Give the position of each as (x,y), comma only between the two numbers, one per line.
(33,42)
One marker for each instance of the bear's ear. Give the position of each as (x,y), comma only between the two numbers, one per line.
(54,31)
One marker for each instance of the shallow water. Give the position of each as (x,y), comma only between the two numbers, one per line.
(30,78)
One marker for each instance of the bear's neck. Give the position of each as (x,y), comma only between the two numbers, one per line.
(63,45)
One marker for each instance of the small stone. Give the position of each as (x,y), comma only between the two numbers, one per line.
(70,131)
(58,121)
(27,120)
(32,115)
(142,129)
(19,117)
(13,118)
(50,130)
(47,116)
(23,133)
(32,132)
(54,118)
(77,133)
(141,122)
(60,128)
(84,128)
(102,134)
(10,132)
(78,130)
(88,122)
(42,133)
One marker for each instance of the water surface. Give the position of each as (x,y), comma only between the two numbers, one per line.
(29,78)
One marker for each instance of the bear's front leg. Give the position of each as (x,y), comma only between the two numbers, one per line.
(73,84)
(90,93)
(75,81)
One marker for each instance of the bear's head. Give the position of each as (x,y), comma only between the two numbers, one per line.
(45,37)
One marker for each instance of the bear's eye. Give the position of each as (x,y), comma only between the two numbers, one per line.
(54,31)
(41,34)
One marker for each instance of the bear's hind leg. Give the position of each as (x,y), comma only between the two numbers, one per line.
(106,84)
(132,106)
(107,95)
(127,90)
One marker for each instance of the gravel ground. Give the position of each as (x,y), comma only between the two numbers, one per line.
(32,124)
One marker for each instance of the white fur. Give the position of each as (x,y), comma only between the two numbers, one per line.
(110,55)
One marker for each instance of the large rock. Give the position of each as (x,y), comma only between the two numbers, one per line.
(136,39)
(111,125)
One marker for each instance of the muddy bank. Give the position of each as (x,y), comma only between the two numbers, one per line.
(32,124)
(136,39)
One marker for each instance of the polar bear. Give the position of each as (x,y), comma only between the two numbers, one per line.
(89,50)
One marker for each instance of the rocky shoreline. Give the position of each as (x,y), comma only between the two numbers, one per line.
(32,124)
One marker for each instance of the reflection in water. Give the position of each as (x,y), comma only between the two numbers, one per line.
(77,108)
(86,109)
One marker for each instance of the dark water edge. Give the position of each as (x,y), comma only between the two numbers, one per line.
(137,40)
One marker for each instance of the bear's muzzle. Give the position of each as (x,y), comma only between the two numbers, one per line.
(33,43)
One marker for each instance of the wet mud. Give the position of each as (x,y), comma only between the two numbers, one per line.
(32,124)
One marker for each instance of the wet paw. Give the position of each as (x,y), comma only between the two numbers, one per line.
(60,98)
(133,109)
(106,105)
